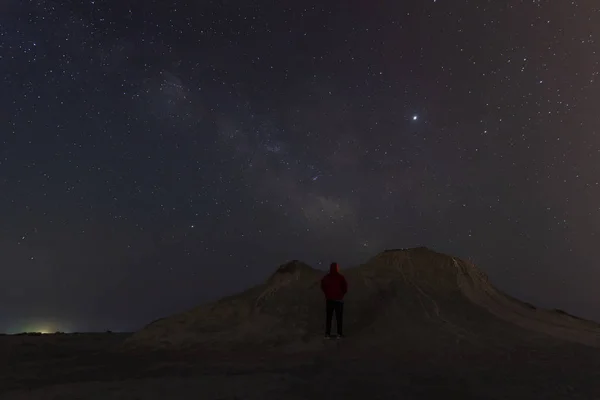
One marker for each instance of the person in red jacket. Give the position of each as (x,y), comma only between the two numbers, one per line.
(334,287)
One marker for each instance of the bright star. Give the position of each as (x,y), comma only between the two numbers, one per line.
(415,117)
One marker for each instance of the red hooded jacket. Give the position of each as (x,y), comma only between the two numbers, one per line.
(334,284)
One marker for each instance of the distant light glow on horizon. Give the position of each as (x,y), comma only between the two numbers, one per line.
(43,326)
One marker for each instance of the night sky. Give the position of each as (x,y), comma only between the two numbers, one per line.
(158,154)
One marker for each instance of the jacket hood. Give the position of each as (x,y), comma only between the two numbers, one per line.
(334,268)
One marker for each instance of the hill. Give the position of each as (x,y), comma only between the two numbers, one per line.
(400,300)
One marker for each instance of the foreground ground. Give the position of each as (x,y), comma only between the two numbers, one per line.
(87,366)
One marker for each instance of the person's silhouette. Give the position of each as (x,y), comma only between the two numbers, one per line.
(334,287)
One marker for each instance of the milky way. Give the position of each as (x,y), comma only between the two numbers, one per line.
(156,154)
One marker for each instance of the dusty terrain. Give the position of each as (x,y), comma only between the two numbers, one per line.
(420,325)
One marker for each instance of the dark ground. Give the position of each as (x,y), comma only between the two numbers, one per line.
(89,366)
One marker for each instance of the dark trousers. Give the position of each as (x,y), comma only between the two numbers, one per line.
(336,307)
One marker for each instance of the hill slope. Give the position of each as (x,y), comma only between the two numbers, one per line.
(399,299)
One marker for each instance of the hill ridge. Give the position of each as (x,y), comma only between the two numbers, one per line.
(416,295)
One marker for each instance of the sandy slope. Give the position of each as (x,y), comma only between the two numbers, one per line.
(477,288)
